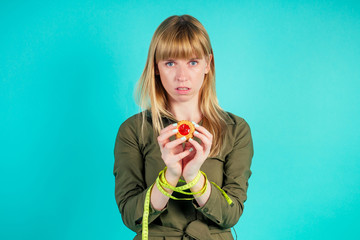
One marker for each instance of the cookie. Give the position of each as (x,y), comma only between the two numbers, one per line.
(185,128)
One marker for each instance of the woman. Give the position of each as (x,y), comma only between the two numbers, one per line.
(178,83)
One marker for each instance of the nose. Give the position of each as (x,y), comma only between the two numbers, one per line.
(181,73)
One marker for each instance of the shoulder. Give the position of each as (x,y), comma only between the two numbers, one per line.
(237,126)
(132,121)
(232,119)
(239,133)
(131,125)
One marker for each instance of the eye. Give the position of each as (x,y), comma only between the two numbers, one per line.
(193,63)
(170,64)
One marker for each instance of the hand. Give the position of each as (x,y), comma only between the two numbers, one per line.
(172,152)
(193,162)
(186,159)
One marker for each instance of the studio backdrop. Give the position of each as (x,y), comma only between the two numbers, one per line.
(67,75)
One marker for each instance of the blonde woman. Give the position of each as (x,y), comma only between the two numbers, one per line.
(178,83)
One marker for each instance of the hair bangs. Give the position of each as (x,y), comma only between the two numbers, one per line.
(182,42)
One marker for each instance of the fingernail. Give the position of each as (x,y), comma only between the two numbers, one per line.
(175,130)
(191,149)
(183,138)
(196,132)
(196,125)
(190,139)
(175,124)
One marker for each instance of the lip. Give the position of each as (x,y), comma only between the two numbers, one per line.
(182,91)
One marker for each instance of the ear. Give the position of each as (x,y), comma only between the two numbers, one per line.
(208,61)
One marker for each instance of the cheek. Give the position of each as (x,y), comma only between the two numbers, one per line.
(200,71)
(199,76)
(164,82)
(165,74)
(165,78)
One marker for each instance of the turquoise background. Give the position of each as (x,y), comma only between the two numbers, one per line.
(67,74)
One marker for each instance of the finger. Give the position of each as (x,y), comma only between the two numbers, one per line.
(183,154)
(169,127)
(196,145)
(203,130)
(204,139)
(170,145)
(164,137)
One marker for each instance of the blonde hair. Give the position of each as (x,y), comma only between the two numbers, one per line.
(180,37)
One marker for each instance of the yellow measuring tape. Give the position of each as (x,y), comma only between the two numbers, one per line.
(161,183)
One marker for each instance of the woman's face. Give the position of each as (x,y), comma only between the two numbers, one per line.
(183,78)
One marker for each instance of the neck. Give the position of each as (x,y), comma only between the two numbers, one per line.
(186,111)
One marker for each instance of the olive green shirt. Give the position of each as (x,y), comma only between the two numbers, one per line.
(137,165)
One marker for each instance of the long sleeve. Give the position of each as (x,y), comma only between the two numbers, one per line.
(235,183)
(130,186)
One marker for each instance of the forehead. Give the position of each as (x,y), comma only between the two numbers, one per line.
(178,53)
(179,47)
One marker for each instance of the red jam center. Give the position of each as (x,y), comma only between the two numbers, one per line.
(184,129)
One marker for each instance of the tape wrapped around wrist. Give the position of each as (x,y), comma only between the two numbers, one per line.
(161,183)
